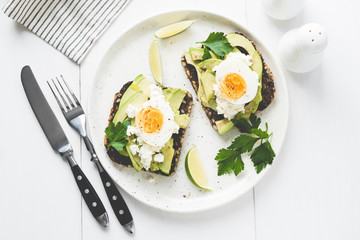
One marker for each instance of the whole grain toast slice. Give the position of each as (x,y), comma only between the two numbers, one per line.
(268,88)
(185,108)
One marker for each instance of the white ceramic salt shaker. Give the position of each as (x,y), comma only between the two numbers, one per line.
(283,9)
(301,49)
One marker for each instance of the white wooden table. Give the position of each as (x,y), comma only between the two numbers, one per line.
(312,191)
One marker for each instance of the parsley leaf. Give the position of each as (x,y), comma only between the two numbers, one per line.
(117,135)
(262,156)
(206,55)
(230,160)
(255,121)
(218,43)
(245,126)
(243,143)
(262,134)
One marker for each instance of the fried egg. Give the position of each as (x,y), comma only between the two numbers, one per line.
(154,126)
(236,84)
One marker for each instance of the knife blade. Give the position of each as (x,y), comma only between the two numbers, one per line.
(59,142)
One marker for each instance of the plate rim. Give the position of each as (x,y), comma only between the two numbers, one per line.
(275,62)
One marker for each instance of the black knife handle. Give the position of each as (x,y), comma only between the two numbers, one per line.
(117,202)
(88,192)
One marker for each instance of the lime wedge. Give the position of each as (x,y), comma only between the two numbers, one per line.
(173,29)
(195,169)
(155,61)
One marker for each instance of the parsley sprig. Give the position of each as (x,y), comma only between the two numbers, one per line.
(117,134)
(230,160)
(218,43)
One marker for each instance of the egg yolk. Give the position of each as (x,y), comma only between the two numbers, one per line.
(149,120)
(232,86)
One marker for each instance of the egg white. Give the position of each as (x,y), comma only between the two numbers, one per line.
(235,63)
(151,143)
(169,126)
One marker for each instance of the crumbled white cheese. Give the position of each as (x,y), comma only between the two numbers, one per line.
(134,149)
(131,111)
(156,92)
(159,157)
(131,130)
(140,141)
(145,155)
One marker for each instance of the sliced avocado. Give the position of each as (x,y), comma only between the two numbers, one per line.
(209,63)
(205,92)
(182,120)
(139,83)
(200,92)
(135,160)
(168,152)
(252,106)
(176,98)
(224,125)
(211,103)
(237,40)
(167,92)
(124,152)
(154,166)
(208,80)
(136,100)
(196,53)
(191,62)
(144,85)
(235,50)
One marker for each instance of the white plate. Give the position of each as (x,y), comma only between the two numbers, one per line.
(127,58)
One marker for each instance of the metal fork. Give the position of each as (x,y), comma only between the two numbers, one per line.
(75,116)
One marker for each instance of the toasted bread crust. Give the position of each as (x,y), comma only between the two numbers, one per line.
(185,108)
(268,88)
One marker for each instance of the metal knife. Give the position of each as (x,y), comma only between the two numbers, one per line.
(60,143)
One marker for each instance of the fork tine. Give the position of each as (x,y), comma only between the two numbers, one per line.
(66,94)
(62,97)
(71,92)
(57,99)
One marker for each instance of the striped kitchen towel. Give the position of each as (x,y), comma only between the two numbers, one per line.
(70,26)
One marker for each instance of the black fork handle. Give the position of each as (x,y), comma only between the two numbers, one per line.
(117,202)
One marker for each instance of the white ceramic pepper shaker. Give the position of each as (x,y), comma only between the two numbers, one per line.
(283,9)
(302,49)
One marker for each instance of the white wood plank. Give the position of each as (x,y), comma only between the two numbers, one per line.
(312,190)
(233,220)
(39,198)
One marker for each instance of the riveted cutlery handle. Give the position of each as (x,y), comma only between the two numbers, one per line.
(88,192)
(117,202)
